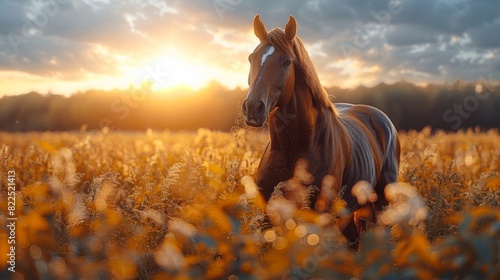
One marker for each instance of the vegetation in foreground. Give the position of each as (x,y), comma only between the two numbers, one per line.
(156,205)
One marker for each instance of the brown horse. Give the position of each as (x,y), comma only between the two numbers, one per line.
(348,142)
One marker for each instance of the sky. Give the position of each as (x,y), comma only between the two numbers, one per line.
(65,46)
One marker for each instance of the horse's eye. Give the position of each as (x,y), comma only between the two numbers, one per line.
(287,62)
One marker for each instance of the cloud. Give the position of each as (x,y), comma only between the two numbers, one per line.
(407,35)
(487,37)
(419,41)
(10,18)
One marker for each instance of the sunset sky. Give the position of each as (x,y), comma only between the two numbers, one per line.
(65,46)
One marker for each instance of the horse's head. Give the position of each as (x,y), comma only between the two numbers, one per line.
(272,74)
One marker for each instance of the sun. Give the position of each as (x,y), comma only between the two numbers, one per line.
(170,70)
(173,71)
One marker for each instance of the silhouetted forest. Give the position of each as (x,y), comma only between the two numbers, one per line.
(450,106)
(454,106)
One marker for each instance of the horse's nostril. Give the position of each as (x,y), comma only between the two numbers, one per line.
(259,108)
(253,110)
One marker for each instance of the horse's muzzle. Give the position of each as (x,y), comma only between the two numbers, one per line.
(255,113)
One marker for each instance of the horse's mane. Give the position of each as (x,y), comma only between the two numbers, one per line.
(295,49)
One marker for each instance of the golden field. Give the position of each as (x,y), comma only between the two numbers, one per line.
(164,205)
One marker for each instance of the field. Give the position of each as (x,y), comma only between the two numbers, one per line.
(99,205)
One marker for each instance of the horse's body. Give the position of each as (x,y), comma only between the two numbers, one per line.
(349,142)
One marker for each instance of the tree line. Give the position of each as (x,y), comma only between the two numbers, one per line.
(454,106)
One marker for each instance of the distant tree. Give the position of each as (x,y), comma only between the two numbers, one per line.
(448,106)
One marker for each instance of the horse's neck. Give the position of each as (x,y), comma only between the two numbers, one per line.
(300,129)
(292,126)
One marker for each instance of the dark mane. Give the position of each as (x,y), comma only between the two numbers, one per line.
(295,49)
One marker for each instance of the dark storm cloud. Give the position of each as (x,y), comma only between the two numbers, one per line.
(445,39)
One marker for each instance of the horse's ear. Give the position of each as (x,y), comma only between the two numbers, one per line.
(259,28)
(291,28)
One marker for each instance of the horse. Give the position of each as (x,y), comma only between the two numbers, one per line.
(345,142)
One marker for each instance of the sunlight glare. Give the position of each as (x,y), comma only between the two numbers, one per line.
(170,70)
(174,71)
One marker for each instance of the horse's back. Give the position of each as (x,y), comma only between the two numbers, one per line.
(374,148)
(372,118)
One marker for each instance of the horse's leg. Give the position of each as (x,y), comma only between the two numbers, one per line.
(389,172)
(388,175)
(347,226)
(363,217)
(367,214)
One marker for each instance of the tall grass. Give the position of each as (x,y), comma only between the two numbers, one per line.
(183,205)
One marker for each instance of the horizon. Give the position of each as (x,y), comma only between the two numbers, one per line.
(174,44)
(188,92)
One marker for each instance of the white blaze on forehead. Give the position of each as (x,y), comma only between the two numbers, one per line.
(268,53)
